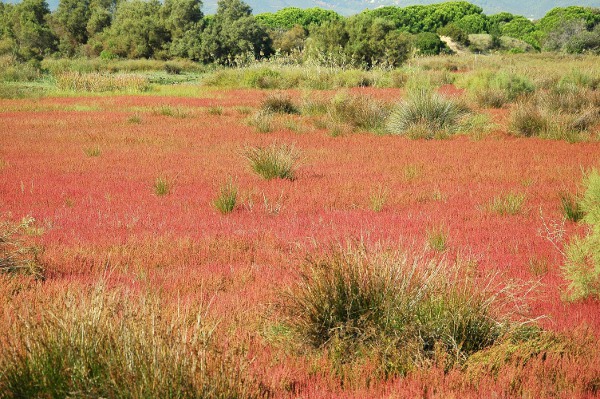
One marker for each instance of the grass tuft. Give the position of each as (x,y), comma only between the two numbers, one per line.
(425,114)
(279,103)
(262,121)
(570,207)
(93,151)
(162,186)
(274,161)
(582,266)
(227,198)
(508,204)
(406,313)
(106,344)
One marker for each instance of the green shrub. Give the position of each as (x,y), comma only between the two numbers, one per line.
(274,161)
(263,78)
(227,198)
(382,305)
(426,114)
(582,266)
(527,120)
(279,103)
(115,345)
(495,89)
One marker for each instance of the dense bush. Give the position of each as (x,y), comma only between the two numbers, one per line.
(403,312)
(425,114)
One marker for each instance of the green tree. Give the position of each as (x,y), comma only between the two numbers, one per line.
(29,30)
(69,23)
(137,30)
(290,40)
(180,16)
(287,18)
(559,15)
(521,28)
(496,21)
(233,34)
(101,13)
(428,43)
(371,41)
(473,24)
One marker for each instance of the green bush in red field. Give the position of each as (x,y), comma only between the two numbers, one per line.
(406,312)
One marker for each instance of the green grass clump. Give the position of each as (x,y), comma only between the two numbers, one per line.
(162,186)
(279,103)
(437,239)
(92,152)
(494,89)
(527,120)
(227,198)
(570,207)
(425,114)
(404,313)
(174,112)
(274,161)
(582,266)
(102,344)
(378,198)
(508,204)
(358,112)
(16,256)
(262,121)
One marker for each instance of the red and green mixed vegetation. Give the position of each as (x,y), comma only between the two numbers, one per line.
(276,231)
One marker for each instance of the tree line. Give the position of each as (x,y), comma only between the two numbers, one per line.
(179,29)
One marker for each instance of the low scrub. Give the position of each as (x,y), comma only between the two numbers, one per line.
(277,161)
(99,82)
(405,313)
(582,266)
(527,120)
(115,345)
(425,114)
(494,89)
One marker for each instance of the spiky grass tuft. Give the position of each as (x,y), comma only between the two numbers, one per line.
(277,161)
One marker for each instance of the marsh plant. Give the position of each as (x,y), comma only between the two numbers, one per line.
(425,114)
(276,161)
(403,311)
(226,200)
(114,344)
(162,186)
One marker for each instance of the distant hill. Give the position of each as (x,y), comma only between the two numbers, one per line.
(527,8)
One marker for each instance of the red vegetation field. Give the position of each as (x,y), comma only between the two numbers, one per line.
(102,219)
